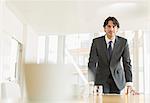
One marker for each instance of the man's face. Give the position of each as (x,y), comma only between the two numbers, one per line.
(110,29)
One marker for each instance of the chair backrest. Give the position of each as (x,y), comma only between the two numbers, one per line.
(48,81)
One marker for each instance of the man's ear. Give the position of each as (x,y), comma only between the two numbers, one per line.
(117,29)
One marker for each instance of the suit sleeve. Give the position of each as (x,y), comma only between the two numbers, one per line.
(93,59)
(127,63)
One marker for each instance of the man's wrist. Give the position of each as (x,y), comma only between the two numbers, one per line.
(130,84)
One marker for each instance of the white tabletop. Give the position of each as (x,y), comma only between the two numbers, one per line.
(91,99)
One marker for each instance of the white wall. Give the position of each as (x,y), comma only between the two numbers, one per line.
(11,25)
(0,16)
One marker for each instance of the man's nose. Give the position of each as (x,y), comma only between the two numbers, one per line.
(111,28)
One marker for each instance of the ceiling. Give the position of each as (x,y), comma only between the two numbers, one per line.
(74,16)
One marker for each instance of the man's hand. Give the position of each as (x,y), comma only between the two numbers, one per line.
(132,91)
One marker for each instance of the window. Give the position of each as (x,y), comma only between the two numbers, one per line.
(41,49)
(78,46)
(52,48)
(77,52)
(47,49)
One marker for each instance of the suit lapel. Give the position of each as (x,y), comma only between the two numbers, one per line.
(104,46)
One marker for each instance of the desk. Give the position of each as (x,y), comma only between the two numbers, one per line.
(120,99)
(94,99)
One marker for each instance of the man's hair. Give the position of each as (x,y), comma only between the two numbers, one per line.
(113,19)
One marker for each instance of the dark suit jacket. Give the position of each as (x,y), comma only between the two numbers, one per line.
(100,66)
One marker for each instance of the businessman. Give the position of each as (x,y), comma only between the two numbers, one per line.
(106,54)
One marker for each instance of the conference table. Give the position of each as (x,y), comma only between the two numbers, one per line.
(107,98)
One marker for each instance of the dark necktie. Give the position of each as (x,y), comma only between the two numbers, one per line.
(110,50)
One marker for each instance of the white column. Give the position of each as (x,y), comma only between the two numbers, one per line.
(136,61)
(0,45)
(147,53)
(61,49)
(147,62)
(46,49)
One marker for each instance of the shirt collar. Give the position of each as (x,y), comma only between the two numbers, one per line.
(107,40)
